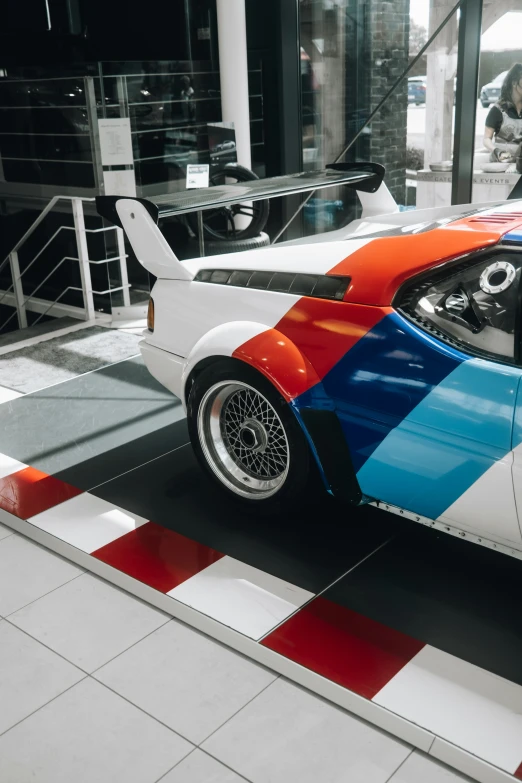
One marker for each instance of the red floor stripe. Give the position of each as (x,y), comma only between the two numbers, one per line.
(158,557)
(518,773)
(29,492)
(352,650)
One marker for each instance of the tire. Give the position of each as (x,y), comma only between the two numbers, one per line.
(218,223)
(485,104)
(233,246)
(268,468)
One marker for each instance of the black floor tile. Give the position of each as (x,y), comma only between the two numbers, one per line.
(457,596)
(309,550)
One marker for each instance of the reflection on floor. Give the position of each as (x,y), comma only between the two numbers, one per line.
(415,628)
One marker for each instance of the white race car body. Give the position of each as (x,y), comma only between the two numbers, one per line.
(394,343)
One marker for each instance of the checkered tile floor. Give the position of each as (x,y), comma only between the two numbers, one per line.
(410,630)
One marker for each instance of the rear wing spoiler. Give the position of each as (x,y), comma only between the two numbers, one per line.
(363,177)
(139,217)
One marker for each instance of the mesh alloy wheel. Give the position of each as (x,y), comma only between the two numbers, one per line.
(243,439)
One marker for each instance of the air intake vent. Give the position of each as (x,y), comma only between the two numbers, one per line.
(501,218)
(317,286)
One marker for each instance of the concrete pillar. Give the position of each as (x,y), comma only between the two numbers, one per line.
(441,72)
(233,68)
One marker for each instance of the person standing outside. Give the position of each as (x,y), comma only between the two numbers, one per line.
(503,128)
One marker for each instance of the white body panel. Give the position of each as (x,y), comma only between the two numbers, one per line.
(283,258)
(489,498)
(185,312)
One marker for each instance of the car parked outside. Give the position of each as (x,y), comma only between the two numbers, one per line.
(490,93)
(417,90)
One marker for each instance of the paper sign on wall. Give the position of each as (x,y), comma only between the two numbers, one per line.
(197,175)
(120,183)
(116,142)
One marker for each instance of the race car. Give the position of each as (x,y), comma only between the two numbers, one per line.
(384,357)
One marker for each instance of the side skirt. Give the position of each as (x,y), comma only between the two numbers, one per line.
(443,527)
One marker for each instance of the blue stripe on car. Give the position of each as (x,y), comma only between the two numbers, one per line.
(447,441)
(378,383)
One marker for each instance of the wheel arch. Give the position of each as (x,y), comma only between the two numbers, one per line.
(265,349)
(280,362)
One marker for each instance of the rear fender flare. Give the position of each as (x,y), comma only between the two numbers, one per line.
(266,349)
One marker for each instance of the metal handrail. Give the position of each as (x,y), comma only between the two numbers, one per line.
(69,288)
(37,222)
(83,260)
(19,277)
(8,290)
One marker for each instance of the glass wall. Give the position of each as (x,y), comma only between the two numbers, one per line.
(52,144)
(498,122)
(356,95)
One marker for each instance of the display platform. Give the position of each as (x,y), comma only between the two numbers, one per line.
(415,631)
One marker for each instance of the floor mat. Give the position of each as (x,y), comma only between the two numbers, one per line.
(61,358)
(37,331)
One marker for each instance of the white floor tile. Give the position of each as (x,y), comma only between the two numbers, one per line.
(89,735)
(468,764)
(88,621)
(87,522)
(186,680)
(461,703)
(5,531)
(9,465)
(200,768)
(419,768)
(6,395)
(287,734)
(27,571)
(241,597)
(30,675)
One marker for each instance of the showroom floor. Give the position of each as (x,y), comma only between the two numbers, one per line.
(409,629)
(97,686)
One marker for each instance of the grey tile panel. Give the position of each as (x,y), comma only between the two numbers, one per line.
(88,621)
(285,734)
(185,680)
(89,735)
(88,418)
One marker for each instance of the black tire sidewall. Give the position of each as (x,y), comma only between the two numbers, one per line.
(258,221)
(223,247)
(293,491)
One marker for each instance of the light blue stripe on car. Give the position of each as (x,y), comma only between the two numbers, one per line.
(513,236)
(447,442)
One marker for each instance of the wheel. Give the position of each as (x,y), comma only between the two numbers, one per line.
(233,246)
(485,104)
(247,439)
(219,223)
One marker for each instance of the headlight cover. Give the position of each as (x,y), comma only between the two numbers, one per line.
(474,304)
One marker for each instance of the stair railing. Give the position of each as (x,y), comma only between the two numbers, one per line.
(15,291)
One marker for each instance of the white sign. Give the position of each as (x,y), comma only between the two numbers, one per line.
(197,175)
(120,183)
(116,142)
